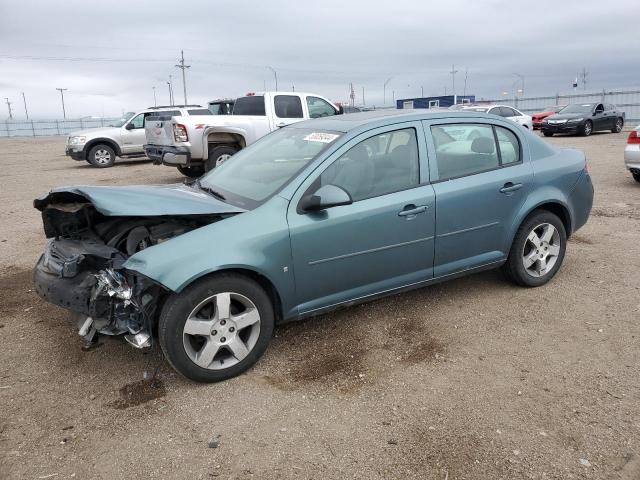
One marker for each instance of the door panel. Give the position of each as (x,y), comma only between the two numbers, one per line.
(474,212)
(384,240)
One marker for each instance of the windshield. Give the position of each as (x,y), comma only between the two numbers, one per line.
(125,118)
(578,108)
(259,171)
(555,108)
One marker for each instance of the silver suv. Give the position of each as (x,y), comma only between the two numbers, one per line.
(125,138)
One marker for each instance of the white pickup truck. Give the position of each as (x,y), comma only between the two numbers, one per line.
(197,144)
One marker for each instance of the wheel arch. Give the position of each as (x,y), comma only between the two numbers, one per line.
(556,207)
(259,277)
(97,141)
(231,138)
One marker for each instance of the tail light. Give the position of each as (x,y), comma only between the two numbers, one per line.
(180,133)
(634,138)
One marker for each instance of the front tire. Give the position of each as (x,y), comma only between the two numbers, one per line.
(617,128)
(636,177)
(587,128)
(548,134)
(218,154)
(537,251)
(102,156)
(191,172)
(216,328)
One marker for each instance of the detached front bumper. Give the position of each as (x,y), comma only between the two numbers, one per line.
(168,155)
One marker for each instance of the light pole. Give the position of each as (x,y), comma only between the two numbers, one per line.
(61,90)
(521,77)
(384,91)
(9,107)
(275,75)
(453,82)
(170,90)
(24,100)
(155,102)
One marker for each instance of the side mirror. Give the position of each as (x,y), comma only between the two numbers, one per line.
(340,110)
(129,126)
(325,197)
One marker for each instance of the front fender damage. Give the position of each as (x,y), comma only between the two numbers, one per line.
(82,267)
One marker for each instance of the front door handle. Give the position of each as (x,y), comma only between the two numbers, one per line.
(411,211)
(281,124)
(510,187)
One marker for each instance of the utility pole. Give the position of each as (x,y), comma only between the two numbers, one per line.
(64,112)
(293,88)
(584,76)
(363,102)
(275,75)
(155,101)
(352,95)
(422,91)
(9,107)
(384,91)
(466,74)
(453,82)
(183,67)
(24,100)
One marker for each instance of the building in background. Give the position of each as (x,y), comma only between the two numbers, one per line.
(443,101)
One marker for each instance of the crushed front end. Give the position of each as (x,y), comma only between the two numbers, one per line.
(81,268)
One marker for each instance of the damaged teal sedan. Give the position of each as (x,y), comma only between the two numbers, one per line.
(317,215)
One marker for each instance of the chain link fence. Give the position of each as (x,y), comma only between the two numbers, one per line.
(38,128)
(626,100)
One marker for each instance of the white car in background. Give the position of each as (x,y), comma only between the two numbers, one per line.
(632,153)
(505,111)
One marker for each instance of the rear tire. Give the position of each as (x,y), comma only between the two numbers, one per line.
(636,177)
(548,134)
(231,322)
(535,258)
(191,172)
(617,128)
(102,156)
(587,128)
(218,154)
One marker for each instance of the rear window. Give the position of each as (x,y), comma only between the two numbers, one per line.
(249,106)
(199,111)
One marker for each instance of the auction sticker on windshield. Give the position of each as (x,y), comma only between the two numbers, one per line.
(322,137)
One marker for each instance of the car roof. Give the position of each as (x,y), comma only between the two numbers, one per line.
(382,117)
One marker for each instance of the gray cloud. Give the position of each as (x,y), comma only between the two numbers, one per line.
(110,54)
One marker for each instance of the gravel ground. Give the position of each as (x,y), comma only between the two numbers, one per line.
(471,379)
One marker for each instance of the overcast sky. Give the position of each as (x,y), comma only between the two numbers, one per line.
(109,54)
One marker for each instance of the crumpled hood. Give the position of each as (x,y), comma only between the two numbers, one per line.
(140,200)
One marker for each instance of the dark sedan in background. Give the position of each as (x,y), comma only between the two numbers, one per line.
(538,117)
(584,119)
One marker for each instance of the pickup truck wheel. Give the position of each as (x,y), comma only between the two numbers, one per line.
(218,154)
(191,172)
(102,156)
(617,128)
(537,250)
(216,328)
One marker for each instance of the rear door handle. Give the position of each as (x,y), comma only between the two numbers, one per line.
(411,211)
(510,187)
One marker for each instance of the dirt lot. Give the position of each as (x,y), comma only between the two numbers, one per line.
(472,379)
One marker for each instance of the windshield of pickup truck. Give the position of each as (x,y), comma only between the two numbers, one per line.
(125,118)
(259,171)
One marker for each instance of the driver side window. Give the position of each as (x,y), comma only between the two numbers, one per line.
(599,108)
(379,165)
(137,121)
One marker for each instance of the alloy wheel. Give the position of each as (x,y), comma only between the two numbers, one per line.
(541,250)
(618,126)
(222,158)
(221,331)
(587,128)
(102,156)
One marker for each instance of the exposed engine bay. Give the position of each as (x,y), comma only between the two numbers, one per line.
(82,270)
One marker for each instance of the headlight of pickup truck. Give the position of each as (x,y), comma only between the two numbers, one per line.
(77,140)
